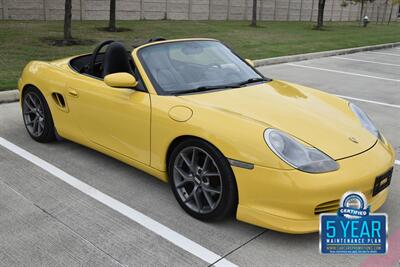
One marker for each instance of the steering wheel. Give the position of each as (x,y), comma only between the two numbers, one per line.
(96,51)
(210,68)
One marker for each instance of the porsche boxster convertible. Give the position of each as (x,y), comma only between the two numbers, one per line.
(228,140)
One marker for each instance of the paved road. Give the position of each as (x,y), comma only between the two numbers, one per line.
(45,221)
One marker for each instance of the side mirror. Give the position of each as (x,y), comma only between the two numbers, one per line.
(250,62)
(121,80)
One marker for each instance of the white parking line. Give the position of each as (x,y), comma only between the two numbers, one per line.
(147,222)
(369,101)
(387,54)
(368,61)
(343,72)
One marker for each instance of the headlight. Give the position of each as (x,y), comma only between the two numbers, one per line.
(365,120)
(297,155)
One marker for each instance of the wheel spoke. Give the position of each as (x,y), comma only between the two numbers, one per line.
(30,123)
(182,183)
(29,106)
(212,190)
(40,128)
(33,121)
(196,199)
(36,126)
(208,198)
(32,100)
(205,164)
(194,157)
(182,173)
(39,110)
(189,198)
(187,162)
(207,174)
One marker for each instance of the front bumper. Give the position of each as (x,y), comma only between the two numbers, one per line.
(286,200)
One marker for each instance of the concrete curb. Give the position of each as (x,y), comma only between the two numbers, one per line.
(9,96)
(287,59)
(13,95)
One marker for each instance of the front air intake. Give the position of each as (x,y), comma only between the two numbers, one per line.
(330,206)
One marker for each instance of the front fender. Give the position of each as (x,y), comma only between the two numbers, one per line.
(237,137)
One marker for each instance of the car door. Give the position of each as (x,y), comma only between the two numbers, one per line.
(115,118)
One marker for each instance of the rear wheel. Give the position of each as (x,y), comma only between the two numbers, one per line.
(202,180)
(37,117)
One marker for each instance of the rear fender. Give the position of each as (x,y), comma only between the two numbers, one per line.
(51,81)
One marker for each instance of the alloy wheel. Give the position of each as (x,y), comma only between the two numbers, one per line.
(197,180)
(33,112)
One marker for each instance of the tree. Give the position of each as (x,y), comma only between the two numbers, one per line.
(254,16)
(362,10)
(112,23)
(362,3)
(320,18)
(384,11)
(67,21)
(394,2)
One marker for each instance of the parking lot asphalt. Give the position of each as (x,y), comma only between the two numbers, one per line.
(46,221)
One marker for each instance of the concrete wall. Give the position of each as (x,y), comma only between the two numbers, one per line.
(282,10)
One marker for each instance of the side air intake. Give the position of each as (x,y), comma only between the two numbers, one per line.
(60,101)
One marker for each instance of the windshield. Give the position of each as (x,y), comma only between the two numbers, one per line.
(190,66)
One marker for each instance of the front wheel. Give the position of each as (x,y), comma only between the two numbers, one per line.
(202,180)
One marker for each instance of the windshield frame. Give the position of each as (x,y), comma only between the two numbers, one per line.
(160,90)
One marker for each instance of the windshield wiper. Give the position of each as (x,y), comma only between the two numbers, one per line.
(204,88)
(252,80)
(209,87)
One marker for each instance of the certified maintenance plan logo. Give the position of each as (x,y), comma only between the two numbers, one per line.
(353,230)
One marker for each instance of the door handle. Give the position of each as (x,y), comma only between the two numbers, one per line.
(73,93)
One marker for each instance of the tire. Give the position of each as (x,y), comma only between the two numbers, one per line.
(205,177)
(37,116)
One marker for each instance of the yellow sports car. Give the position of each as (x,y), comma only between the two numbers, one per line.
(227,139)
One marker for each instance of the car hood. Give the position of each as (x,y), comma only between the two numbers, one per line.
(317,118)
